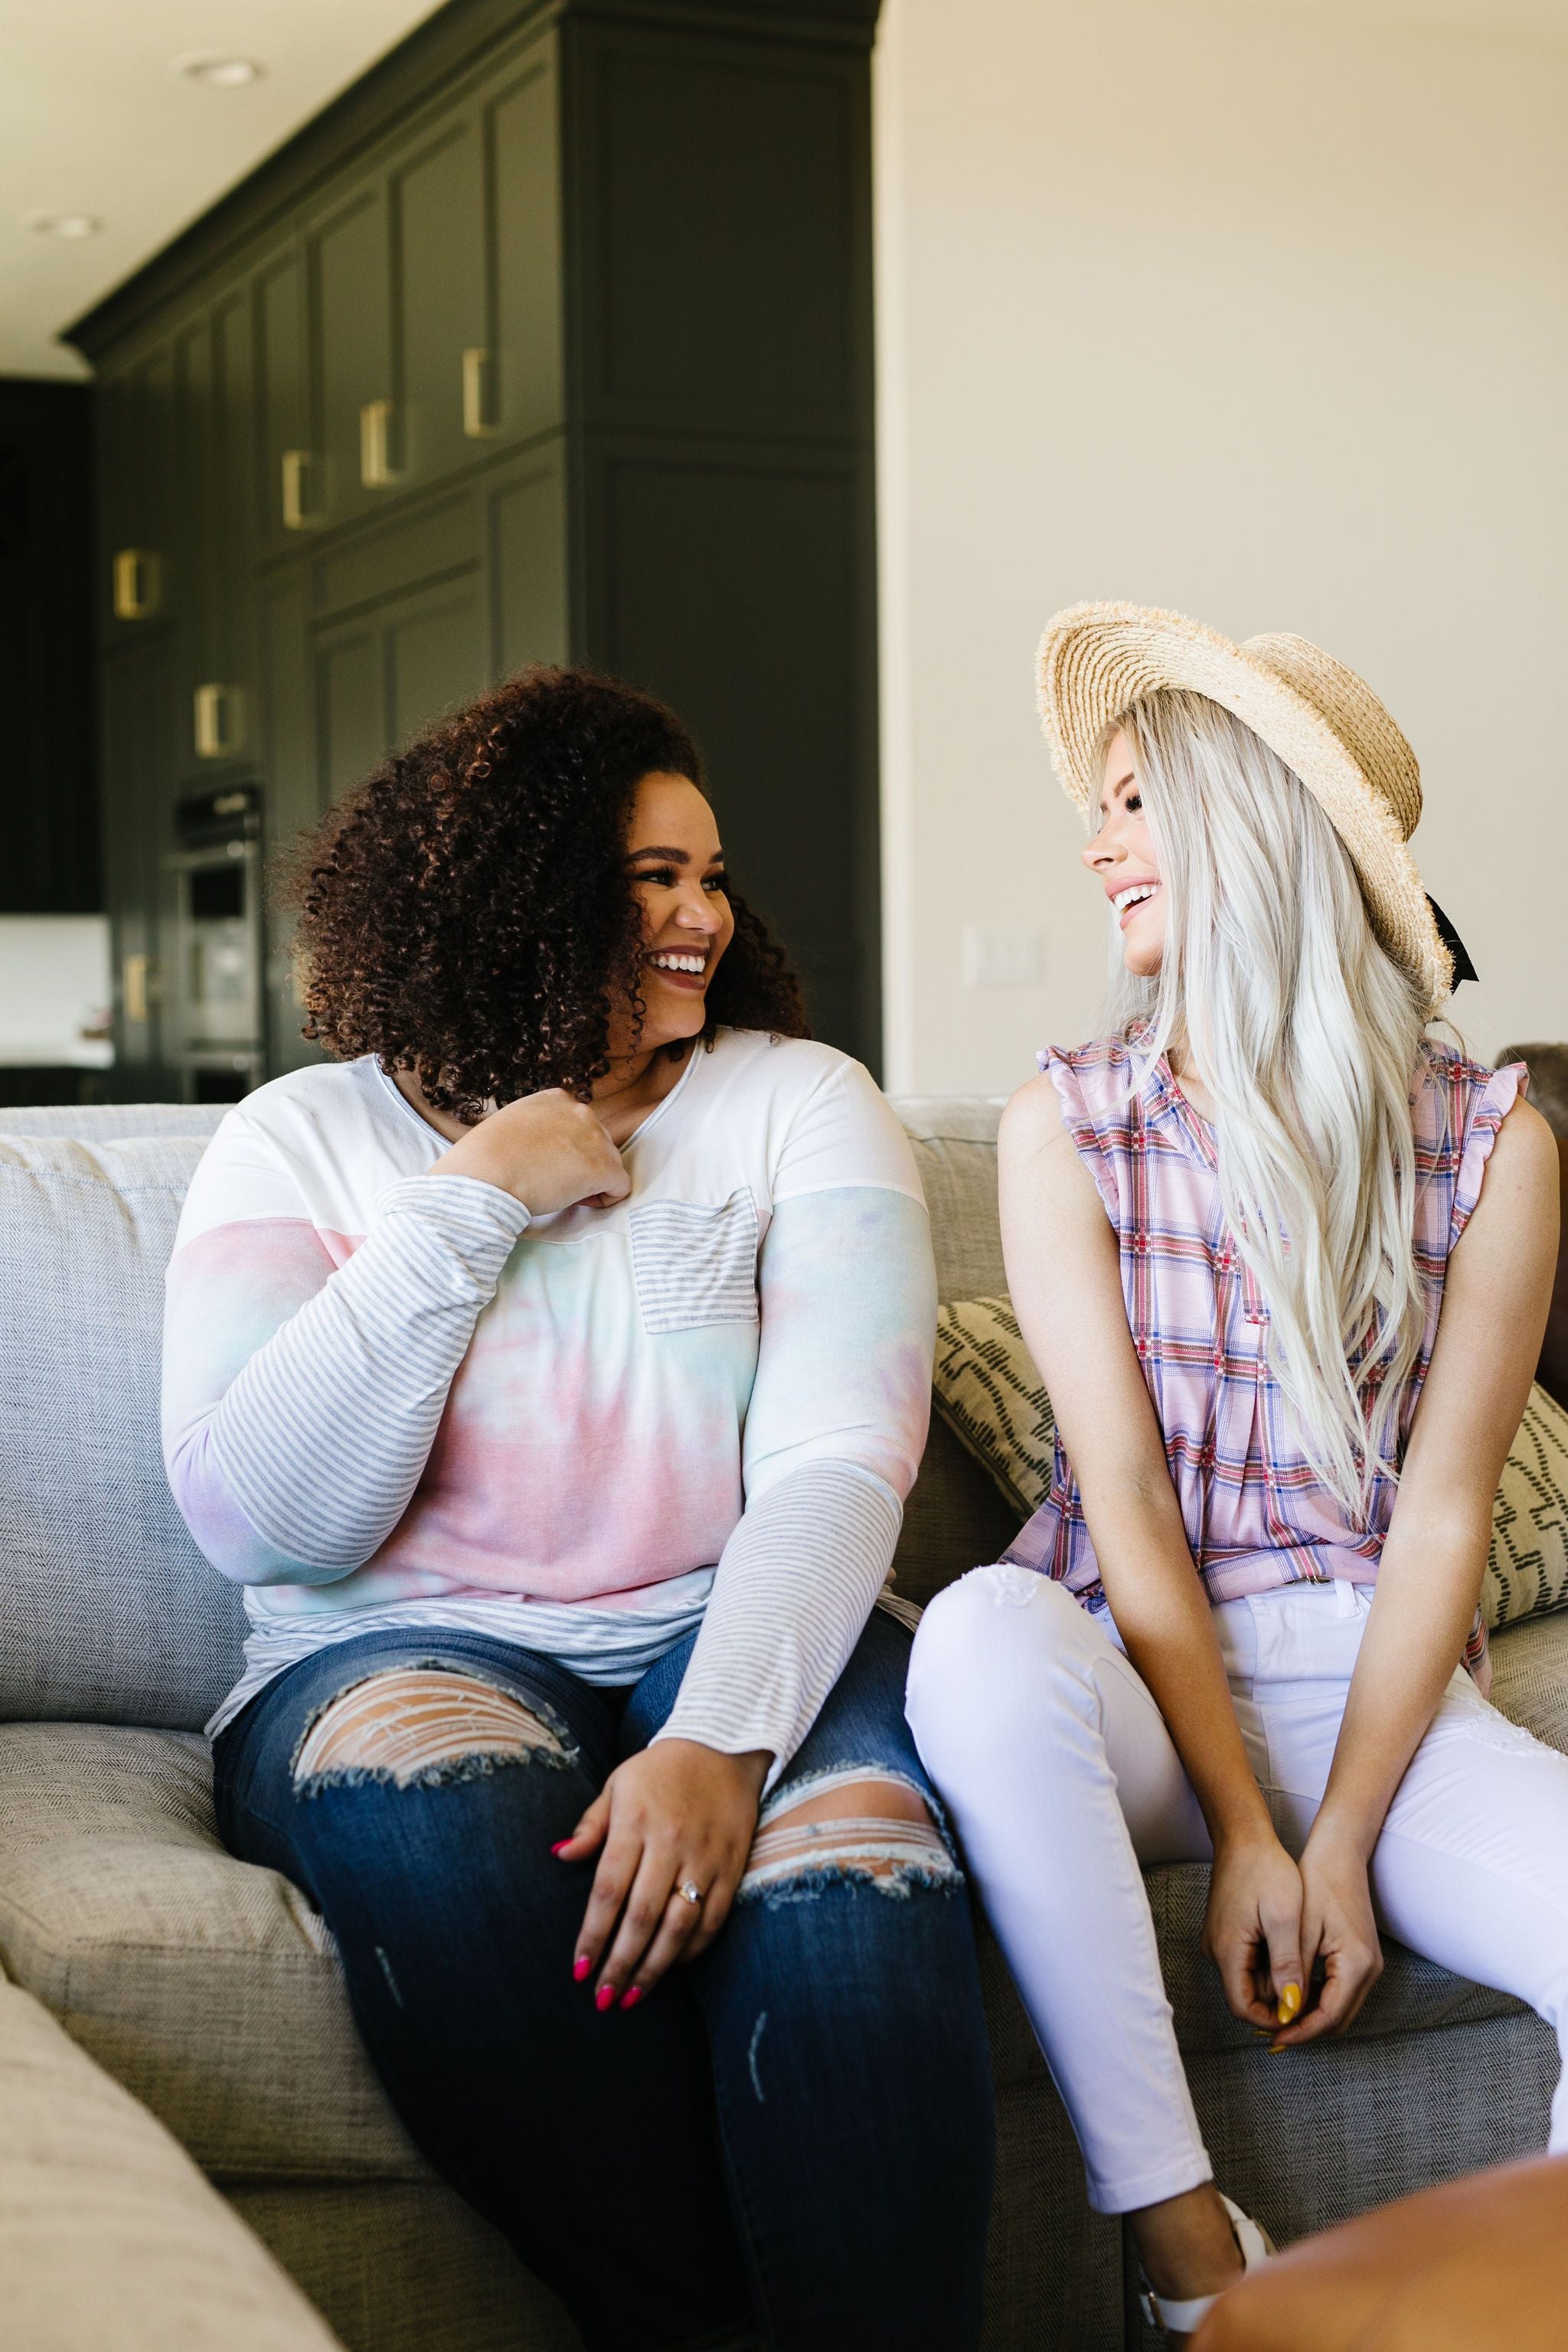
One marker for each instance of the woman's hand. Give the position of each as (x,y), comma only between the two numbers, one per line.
(547,1150)
(677,1813)
(1337,1929)
(1253,1930)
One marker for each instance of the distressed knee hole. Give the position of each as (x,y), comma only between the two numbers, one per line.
(859,1828)
(421,1726)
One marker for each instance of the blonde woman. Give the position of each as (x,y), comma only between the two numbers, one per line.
(1284,1262)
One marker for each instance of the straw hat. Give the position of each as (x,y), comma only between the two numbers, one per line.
(1322,721)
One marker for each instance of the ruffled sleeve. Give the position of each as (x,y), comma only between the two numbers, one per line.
(1074,1077)
(1488,1108)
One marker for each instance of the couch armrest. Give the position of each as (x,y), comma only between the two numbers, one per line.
(109,2235)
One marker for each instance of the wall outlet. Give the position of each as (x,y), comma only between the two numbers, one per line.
(1002,955)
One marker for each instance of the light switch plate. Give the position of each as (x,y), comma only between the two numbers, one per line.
(1002,955)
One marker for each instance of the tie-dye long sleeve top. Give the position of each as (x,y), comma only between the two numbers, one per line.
(395,1402)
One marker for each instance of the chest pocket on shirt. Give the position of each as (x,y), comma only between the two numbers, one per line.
(693,1265)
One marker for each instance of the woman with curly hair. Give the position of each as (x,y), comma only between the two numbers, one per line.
(550,1367)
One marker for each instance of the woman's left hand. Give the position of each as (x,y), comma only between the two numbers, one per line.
(1337,1929)
(676,1814)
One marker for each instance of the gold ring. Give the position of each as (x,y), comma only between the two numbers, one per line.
(690,1892)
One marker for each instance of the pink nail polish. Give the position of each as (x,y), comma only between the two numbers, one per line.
(630,1999)
(561,1845)
(604,1998)
(580,1968)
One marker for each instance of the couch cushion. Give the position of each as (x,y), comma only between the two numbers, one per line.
(955,1519)
(110,1613)
(954,1140)
(107,2233)
(209,1988)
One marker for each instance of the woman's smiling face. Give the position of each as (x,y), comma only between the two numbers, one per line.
(1123,860)
(676,868)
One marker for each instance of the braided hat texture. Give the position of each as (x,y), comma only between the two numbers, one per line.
(1319,718)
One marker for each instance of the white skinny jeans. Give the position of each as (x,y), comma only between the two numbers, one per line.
(1063,1781)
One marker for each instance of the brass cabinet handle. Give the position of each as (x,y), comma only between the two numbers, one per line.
(136,585)
(140,986)
(375,466)
(478,407)
(217,721)
(296,515)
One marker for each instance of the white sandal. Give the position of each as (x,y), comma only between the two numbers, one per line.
(1181,2318)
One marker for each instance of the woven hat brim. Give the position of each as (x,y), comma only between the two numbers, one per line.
(1097,659)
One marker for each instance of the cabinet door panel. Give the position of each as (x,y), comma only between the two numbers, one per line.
(438,199)
(292,799)
(437,656)
(529,613)
(137,436)
(137,691)
(233,448)
(525,244)
(351,708)
(284,421)
(195,558)
(285,736)
(717,202)
(385,677)
(231,548)
(370,565)
(351,316)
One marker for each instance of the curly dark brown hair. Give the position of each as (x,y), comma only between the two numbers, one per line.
(466,914)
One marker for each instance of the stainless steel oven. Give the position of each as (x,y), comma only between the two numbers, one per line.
(214,1006)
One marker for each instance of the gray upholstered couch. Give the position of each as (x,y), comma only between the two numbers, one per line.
(109,2235)
(209,1988)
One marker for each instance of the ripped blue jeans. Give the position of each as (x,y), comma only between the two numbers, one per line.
(790,2142)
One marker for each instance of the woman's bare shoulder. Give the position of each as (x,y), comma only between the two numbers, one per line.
(1526,1146)
(1034,1117)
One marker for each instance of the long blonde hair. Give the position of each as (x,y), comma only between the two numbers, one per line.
(1307,1033)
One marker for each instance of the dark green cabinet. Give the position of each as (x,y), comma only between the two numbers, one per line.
(551,340)
(49,864)
(284,490)
(136,704)
(351,341)
(442,367)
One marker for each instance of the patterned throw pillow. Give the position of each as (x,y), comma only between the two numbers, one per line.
(1527,1571)
(987,1388)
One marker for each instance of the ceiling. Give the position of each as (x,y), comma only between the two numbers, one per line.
(97,119)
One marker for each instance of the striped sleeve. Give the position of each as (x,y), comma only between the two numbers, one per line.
(300,1403)
(834,1436)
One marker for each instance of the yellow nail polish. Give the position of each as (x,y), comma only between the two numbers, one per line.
(1278,2049)
(1289,2004)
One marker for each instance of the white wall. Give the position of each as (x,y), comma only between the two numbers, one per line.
(1257,312)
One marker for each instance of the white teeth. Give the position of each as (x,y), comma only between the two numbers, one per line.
(1134,896)
(669,962)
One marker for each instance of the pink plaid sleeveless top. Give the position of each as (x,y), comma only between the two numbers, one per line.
(1256,1515)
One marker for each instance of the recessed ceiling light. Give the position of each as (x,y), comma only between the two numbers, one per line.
(64,223)
(221,73)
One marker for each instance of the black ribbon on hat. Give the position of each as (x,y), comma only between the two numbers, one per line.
(1463,968)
